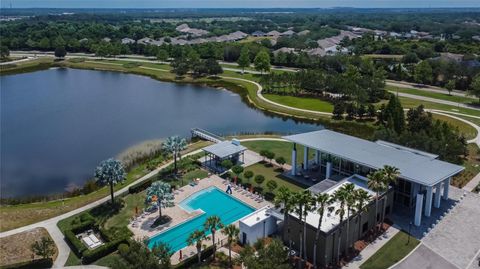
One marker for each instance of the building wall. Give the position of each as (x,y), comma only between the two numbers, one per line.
(255,232)
(327,247)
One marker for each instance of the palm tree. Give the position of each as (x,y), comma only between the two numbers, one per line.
(362,198)
(284,198)
(376,184)
(341,196)
(160,193)
(110,172)
(212,223)
(350,202)
(174,145)
(196,238)
(322,200)
(303,202)
(231,231)
(390,176)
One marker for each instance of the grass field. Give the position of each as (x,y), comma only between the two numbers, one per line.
(392,252)
(409,102)
(270,173)
(467,130)
(301,102)
(441,96)
(280,148)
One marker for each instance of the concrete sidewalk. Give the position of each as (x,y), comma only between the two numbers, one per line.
(372,248)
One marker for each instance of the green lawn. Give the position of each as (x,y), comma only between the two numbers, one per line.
(467,130)
(301,102)
(392,252)
(409,102)
(111,261)
(270,173)
(280,148)
(122,218)
(472,167)
(72,260)
(441,96)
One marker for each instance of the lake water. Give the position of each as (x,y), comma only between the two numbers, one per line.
(58,124)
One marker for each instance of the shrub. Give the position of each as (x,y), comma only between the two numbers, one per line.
(91,255)
(123,249)
(34,264)
(259,179)
(258,189)
(269,196)
(115,233)
(271,185)
(76,245)
(248,175)
(141,186)
(192,260)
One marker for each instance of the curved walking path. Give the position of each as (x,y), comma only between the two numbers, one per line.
(426,88)
(435,100)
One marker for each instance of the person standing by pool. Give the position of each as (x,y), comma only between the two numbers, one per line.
(229,189)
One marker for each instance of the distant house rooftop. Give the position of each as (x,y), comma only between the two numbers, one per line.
(414,165)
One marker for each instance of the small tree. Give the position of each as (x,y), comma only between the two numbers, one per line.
(270,156)
(262,62)
(227,164)
(248,175)
(244,59)
(272,185)
(423,72)
(211,224)
(371,111)
(263,153)
(475,86)
(4,52)
(110,172)
(350,111)
(231,231)
(213,67)
(450,86)
(338,110)
(163,252)
(174,145)
(361,111)
(196,238)
(259,179)
(160,193)
(162,55)
(281,161)
(60,52)
(44,248)
(237,170)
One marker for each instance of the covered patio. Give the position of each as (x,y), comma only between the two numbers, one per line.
(226,150)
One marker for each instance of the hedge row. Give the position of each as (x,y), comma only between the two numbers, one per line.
(91,255)
(140,186)
(77,246)
(35,264)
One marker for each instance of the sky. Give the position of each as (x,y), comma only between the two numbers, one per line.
(238,3)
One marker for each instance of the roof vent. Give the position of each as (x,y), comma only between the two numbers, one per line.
(236,142)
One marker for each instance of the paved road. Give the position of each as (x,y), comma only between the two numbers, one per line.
(427,88)
(435,100)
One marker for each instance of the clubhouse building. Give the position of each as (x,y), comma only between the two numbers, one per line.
(332,159)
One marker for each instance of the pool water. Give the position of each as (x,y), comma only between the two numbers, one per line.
(212,201)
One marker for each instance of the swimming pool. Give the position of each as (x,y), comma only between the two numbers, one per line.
(212,201)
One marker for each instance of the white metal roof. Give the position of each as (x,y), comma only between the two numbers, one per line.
(413,165)
(224,149)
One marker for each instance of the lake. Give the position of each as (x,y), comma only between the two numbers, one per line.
(58,124)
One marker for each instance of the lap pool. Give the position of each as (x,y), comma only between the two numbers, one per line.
(212,201)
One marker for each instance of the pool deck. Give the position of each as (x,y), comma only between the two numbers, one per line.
(179,215)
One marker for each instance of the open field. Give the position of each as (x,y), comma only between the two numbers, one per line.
(280,148)
(16,248)
(441,96)
(392,252)
(315,104)
(467,130)
(408,103)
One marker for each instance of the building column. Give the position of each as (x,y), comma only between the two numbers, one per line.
(317,157)
(305,157)
(428,202)
(446,187)
(328,170)
(294,160)
(418,210)
(438,195)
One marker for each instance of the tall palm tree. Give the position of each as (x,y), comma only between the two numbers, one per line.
(362,198)
(110,172)
(322,200)
(376,184)
(350,203)
(211,224)
(308,202)
(196,238)
(174,145)
(231,231)
(341,196)
(284,198)
(390,176)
